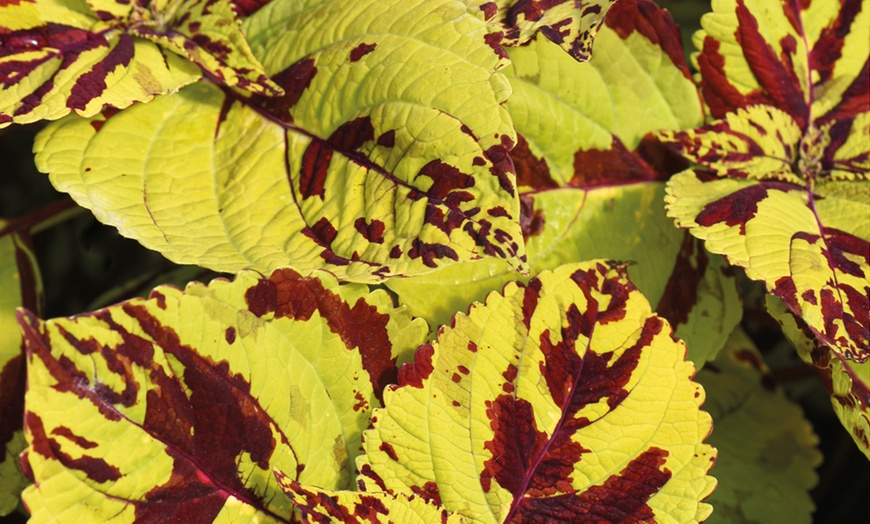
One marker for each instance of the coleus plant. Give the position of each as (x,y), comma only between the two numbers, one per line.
(426,208)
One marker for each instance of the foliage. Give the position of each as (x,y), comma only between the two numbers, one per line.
(471,266)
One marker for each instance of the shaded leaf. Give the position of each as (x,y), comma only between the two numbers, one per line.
(570,24)
(319,505)
(848,382)
(20,285)
(766,198)
(692,289)
(59,57)
(767,450)
(177,408)
(498,418)
(581,123)
(405,171)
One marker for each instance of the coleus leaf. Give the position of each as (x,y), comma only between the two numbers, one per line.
(847,381)
(581,123)
(20,285)
(406,171)
(177,408)
(320,505)
(82,56)
(495,419)
(572,24)
(767,450)
(782,183)
(693,290)
(804,232)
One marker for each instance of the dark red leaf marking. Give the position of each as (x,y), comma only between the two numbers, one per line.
(681,291)
(531,171)
(347,138)
(738,208)
(188,496)
(388,139)
(429,253)
(530,301)
(415,372)
(856,99)
(721,96)
(597,167)
(428,492)
(445,179)
(373,232)
(490,9)
(230,335)
(828,48)
(95,468)
(395,252)
(387,448)
(366,510)
(248,7)
(622,497)
(321,232)
(294,80)
(80,441)
(13,377)
(531,220)
(361,50)
(367,471)
(494,40)
(502,165)
(663,160)
(654,23)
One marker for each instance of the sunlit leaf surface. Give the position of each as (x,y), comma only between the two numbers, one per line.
(767,450)
(177,408)
(20,285)
(386,155)
(83,56)
(572,24)
(694,290)
(782,186)
(847,381)
(555,400)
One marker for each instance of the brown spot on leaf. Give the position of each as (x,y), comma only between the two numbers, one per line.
(531,220)
(294,80)
(361,50)
(388,139)
(597,167)
(531,170)
(681,291)
(230,335)
(415,372)
(651,21)
(429,253)
(428,492)
(373,232)
(387,448)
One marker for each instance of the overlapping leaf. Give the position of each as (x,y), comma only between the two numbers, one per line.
(500,418)
(572,24)
(581,123)
(783,182)
(387,155)
(83,56)
(177,408)
(691,288)
(767,450)
(847,381)
(20,285)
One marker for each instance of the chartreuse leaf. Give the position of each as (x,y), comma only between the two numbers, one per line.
(767,450)
(767,198)
(581,123)
(561,399)
(179,407)
(320,505)
(570,24)
(809,59)
(691,288)
(387,155)
(847,381)
(56,57)
(20,285)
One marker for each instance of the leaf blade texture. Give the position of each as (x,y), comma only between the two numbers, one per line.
(186,401)
(493,419)
(366,174)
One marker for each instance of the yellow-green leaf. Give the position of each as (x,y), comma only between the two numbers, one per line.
(561,398)
(386,156)
(767,450)
(20,285)
(847,381)
(181,405)
(584,123)
(694,290)
(572,24)
(58,57)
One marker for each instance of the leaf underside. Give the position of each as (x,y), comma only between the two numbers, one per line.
(498,418)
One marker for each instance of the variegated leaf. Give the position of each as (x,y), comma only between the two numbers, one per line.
(20,285)
(572,24)
(809,59)
(558,400)
(694,290)
(83,56)
(769,197)
(177,408)
(581,123)
(767,450)
(387,155)
(352,507)
(847,381)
